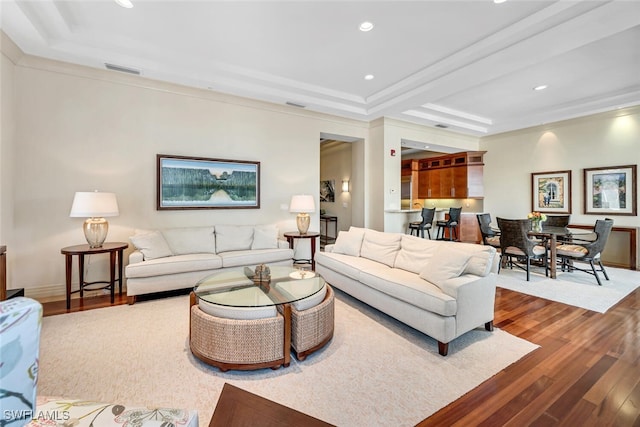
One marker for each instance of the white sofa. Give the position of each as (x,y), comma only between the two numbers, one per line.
(442,289)
(177,258)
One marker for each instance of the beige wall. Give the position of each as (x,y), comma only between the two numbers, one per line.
(80,129)
(608,139)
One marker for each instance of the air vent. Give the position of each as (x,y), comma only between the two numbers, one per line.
(293,104)
(440,125)
(122,69)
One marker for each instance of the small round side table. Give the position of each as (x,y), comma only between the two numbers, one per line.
(113,249)
(292,235)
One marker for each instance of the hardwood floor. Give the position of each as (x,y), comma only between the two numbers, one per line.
(585,373)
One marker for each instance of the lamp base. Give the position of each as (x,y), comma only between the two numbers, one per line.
(302,221)
(95,231)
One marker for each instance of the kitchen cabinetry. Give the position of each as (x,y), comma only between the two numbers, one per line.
(454,176)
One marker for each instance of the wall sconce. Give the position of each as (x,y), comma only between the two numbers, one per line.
(345,186)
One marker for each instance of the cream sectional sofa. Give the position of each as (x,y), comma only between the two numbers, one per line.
(443,289)
(177,258)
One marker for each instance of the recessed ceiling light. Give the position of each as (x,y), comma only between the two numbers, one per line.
(369,77)
(125,3)
(541,87)
(499,1)
(366,26)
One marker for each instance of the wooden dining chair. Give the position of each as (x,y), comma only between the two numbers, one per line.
(517,249)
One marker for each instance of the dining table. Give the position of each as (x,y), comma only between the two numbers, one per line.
(550,235)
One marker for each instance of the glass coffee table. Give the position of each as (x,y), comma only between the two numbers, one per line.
(239,323)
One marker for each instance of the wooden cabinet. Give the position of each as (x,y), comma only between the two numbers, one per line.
(469,229)
(455,176)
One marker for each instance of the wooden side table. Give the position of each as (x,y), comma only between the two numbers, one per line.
(292,235)
(113,249)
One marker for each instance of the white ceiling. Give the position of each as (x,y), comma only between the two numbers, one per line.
(470,65)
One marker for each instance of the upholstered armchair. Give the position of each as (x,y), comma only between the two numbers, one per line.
(20,325)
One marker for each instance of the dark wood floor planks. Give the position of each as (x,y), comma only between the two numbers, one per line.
(585,373)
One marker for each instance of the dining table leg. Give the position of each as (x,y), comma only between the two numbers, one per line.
(552,256)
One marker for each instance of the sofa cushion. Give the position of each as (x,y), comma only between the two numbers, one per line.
(414,253)
(445,264)
(240,313)
(254,257)
(190,240)
(349,242)
(233,237)
(346,265)
(308,302)
(265,237)
(152,245)
(173,265)
(380,247)
(410,288)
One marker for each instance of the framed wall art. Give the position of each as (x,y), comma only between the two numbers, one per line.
(610,190)
(551,192)
(203,183)
(328,191)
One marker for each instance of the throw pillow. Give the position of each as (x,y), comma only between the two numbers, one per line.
(152,245)
(481,261)
(265,237)
(233,238)
(348,243)
(445,264)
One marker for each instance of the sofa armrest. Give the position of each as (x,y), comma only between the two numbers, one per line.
(136,256)
(329,248)
(475,297)
(283,244)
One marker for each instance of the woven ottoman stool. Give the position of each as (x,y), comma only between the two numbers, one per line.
(312,324)
(240,339)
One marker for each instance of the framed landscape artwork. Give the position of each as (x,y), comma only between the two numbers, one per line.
(610,190)
(551,192)
(203,183)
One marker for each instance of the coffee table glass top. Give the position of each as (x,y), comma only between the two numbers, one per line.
(235,288)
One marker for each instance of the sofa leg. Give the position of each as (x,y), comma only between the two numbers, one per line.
(443,348)
(489,326)
(131,299)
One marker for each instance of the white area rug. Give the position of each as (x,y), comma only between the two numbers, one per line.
(578,288)
(375,371)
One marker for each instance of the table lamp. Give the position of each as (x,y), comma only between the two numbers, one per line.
(94,206)
(302,204)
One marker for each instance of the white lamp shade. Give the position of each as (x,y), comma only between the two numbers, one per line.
(91,204)
(302,203)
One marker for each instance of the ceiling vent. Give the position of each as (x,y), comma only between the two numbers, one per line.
(122,69)
(293,104)
(440,125)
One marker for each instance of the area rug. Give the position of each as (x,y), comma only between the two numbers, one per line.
(578,288)
(375,371)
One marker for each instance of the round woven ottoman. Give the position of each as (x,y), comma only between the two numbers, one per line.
(240,344)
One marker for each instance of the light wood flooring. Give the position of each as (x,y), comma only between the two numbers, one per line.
(585,373)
